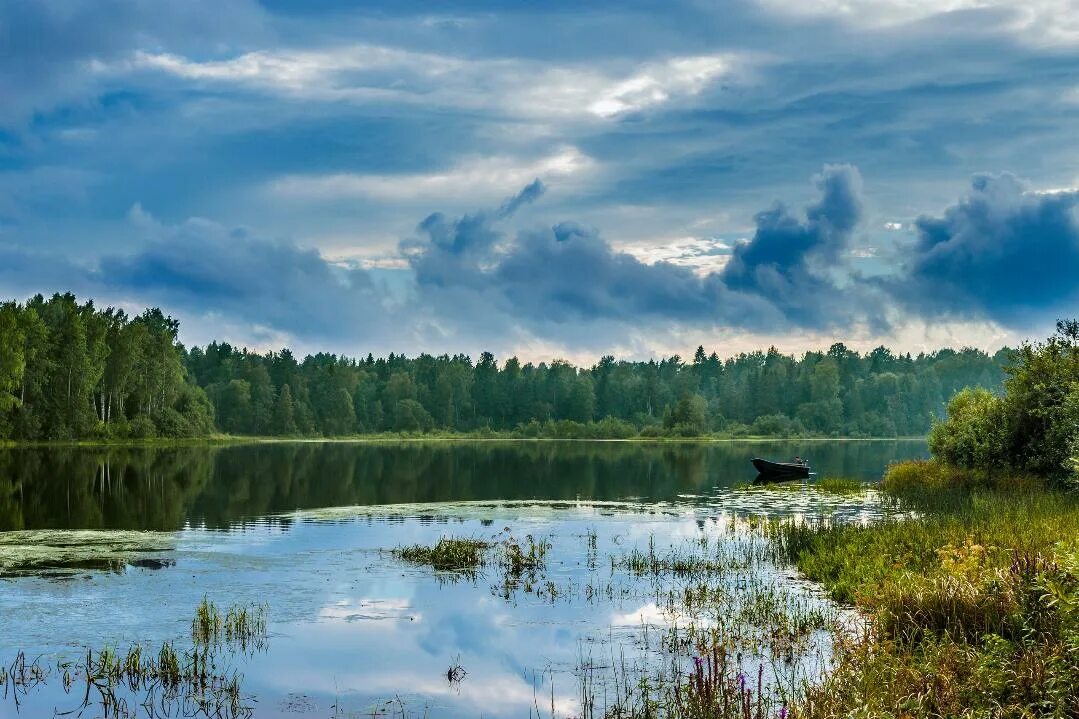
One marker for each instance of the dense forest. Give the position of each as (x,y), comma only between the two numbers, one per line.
(69,370)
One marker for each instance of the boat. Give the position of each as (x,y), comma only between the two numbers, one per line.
(780,470)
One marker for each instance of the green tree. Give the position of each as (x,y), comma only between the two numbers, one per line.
(12,356)
(284,418)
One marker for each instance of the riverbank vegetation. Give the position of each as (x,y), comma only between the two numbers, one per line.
(73,371)
(974,604)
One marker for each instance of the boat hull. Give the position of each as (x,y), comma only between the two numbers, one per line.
(780,470)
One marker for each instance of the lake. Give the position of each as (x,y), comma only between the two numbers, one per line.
(117,547)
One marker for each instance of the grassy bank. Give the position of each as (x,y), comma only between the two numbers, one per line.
(211,439)
(386,437)
(973,604)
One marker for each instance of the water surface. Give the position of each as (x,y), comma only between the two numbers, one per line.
(119,546)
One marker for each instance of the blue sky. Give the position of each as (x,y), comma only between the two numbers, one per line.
(552,179)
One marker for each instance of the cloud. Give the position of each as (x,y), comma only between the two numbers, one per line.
(1003,253)
(1000,256)
(792,262)
(200,266)
(476,178)
(567,272)
(370,73)
(1037,21)
(703,255)
(46,46)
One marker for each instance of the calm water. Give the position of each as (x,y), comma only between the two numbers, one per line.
(119,546)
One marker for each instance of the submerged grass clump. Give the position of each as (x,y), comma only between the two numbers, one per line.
(449,554)
(240,625)
(697,557)
(200,681)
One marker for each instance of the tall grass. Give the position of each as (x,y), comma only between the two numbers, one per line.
(974,602)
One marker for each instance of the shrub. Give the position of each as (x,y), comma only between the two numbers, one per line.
(142,427)
(613,428)
(776,425)
(974,434)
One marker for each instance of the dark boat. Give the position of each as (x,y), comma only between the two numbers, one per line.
(780,470)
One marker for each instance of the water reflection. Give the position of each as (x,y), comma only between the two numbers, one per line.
(307,528)
(219,487)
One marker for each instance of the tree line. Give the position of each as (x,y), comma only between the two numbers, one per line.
(69,370)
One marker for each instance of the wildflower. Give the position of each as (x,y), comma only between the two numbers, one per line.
(783,712)
(741,681)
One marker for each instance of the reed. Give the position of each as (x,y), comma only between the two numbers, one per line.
(199,681)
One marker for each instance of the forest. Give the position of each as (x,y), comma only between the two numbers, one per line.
(69,370)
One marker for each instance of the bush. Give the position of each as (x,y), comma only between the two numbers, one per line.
(613,428)
(142,427)
(776,425)
(973,436)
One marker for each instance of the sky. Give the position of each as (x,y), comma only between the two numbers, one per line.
(548,179)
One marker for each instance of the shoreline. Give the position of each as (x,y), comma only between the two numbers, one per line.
(226,440)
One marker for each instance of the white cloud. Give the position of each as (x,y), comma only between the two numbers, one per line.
(657,83)
(524,89)
(473,178)
(894,226)
(1038,21)
(702,254)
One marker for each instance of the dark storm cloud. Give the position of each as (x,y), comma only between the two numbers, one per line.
(789,259)
(456,247)
(201,267)
(1001,253)
(780,278)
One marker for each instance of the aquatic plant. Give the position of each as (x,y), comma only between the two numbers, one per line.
(456,673)
(241,625)
(840,485)
(449,554)
(188,682)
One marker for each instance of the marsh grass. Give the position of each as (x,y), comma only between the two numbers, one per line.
(840,485)
(241,626)
(171,681)
(741,550)
(974,604)
(449,554)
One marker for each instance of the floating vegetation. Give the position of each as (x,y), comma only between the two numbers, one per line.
(449,554)
(200,681)
(74,550)
(522,563)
